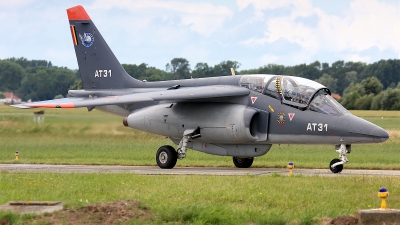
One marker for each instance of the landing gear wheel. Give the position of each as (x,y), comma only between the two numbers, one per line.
(166,157)
(243,162)
(337,168)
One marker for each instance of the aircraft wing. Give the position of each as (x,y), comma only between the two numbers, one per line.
(180,94)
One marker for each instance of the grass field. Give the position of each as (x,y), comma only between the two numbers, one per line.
(211,199)
(78,137)
(75,136)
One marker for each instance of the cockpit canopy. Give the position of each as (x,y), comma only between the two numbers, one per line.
(298,92)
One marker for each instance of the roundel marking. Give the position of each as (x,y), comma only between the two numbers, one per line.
(87,39)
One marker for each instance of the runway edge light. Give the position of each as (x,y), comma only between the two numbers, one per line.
(290,167)
(383,194)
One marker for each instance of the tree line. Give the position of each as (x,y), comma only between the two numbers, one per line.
(35,79)
(363,86)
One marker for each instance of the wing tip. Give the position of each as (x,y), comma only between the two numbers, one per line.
(20,106)
(45,105)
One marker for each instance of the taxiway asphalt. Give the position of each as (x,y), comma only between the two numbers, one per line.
(218,171)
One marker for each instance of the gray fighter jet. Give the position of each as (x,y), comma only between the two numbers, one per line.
(237,116)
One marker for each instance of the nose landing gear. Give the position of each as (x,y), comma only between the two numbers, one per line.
(336,165)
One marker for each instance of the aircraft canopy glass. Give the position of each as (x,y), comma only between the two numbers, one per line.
(255,82)
(295,91)
(324,103)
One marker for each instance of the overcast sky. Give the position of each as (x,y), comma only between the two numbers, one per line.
(252,32)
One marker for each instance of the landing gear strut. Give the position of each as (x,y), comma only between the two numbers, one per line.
(336,165)
(187,136)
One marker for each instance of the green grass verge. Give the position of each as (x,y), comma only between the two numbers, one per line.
(195,199)
(79,137)
(75,136)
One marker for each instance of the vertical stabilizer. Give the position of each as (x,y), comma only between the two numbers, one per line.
(98,66)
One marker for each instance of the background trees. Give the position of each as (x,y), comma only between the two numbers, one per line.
(387,72)
(391,99)
(221,69)
(144,72)
(202,70)
(374,86)
(329,82)
(42,83)
(179,67)
(35,79)
(10,75)
(368,94)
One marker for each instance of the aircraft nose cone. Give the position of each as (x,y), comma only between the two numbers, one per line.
(370,133)
(380,135)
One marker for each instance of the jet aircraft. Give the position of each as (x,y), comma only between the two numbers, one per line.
(240,116)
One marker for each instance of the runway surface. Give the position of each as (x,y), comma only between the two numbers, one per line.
(219,171)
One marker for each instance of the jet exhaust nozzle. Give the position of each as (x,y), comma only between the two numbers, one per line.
(125,122)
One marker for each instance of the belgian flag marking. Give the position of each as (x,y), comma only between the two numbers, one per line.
(73,33)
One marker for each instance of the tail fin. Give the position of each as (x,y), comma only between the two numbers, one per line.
(98,66)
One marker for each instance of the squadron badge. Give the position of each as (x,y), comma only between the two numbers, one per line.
(281,118)
(87,39)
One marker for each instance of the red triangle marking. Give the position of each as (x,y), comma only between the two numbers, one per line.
(253,99)
(291,115)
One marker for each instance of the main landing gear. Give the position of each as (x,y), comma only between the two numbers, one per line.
(336,165)
(166,156)
(243,162)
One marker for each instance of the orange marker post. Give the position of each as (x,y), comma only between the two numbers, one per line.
(16,155)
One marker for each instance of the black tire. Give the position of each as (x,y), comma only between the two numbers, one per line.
(166,157)
(243,162)
(338,168)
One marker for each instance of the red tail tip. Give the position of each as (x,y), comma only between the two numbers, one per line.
(77,13)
